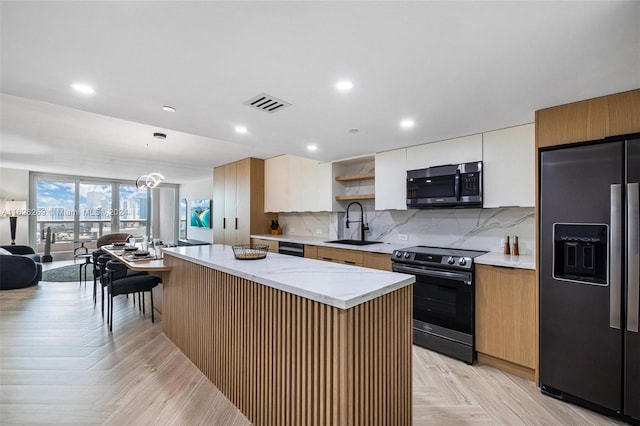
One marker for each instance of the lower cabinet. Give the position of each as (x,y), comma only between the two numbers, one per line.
(310,252)
(273,245)
(380,261)
(506,319)
(348,257)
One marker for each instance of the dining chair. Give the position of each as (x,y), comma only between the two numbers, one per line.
(118,282)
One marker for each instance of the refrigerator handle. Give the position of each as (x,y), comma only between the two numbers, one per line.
(615,268)
(633,257)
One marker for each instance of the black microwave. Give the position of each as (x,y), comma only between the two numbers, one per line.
(454,185)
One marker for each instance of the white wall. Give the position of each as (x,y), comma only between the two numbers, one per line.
(198,190)
(14,184)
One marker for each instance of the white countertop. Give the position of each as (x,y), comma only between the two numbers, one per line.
(510,261)
(491,258)
(341,286)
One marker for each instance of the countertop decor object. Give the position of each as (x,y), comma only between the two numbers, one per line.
(250,251)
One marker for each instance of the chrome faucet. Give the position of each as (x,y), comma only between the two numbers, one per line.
(363,226)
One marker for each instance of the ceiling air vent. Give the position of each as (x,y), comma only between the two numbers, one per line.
(267,103)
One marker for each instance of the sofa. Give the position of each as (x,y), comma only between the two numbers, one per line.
(21,267)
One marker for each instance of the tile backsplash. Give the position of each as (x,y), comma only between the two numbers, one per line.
(472,229)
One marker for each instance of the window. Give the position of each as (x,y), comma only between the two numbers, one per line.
(133,211)
(79,210)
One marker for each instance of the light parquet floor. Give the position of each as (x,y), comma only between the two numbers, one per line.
(60,365)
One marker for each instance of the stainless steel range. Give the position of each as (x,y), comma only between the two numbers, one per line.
(443,298)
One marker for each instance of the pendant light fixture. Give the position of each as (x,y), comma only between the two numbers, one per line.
(151,180)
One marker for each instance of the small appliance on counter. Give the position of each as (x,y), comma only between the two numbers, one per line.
(443,298)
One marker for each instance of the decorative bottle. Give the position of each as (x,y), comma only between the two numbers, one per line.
(507,245)
(516,249)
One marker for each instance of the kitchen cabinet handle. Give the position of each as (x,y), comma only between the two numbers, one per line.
(615,269)
(236,223)
(633,257)
(224,223)
(326,258)
(348,262)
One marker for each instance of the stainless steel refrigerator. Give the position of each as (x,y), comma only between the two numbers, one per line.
(589,278)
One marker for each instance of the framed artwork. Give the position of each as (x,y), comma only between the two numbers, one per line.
(200,214)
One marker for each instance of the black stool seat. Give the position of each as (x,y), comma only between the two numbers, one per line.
(134,284)
(120,282)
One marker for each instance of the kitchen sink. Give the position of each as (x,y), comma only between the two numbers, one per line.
(354,242)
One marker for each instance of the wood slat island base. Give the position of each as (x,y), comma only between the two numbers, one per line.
(283,359)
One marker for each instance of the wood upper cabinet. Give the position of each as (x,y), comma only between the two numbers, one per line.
(624,113)
(238,202)
(391,180)
(508,157)
(592,119)
(506,316)
(454,151)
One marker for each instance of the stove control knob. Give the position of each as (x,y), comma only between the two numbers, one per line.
(450,260)
(462,261)
(407,255)
(397,253)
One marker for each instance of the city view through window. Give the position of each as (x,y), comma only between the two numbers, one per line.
(81,212)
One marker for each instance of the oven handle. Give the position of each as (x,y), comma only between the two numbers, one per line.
(458,276)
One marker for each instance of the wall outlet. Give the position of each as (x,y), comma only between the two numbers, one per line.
(318,231)
(291,230)
(403,237)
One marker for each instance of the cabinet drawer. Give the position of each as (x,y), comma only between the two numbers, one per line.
(273,245)
(377,261)
(349,257)
(310,252)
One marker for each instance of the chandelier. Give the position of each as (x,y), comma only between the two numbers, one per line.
(151,180)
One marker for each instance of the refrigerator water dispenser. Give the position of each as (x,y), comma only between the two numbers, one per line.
(580,253)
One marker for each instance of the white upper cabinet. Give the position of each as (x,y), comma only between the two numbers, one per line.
(324,195)
(509,167)
(295,184)
(391,180)
(453,151)
(276,184)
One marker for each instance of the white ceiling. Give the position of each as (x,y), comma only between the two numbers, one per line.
(456,68)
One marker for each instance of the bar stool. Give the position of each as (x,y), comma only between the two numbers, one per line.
(118,282)
(87,261)
(78,249)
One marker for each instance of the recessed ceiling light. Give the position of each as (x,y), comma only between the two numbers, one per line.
(168,108)
(353,130)
(407,123)
(159,135)
(343,86)
(312,147)
(241,129)
(83,88)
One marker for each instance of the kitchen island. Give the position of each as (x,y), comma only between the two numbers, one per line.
(291,340)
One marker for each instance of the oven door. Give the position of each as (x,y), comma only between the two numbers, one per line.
(443,310)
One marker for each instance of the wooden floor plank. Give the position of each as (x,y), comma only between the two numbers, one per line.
(59,364)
